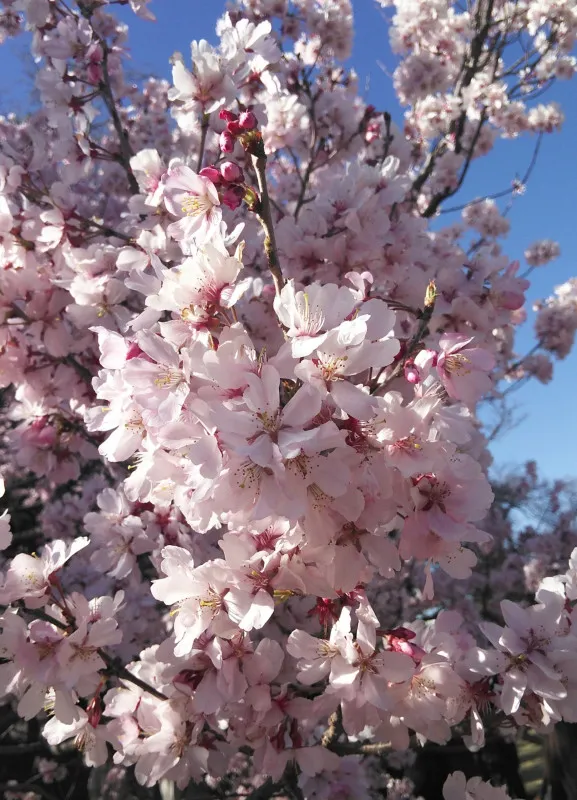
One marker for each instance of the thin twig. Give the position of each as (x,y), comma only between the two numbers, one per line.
(203,132)
(305,180)
(81,370)
(425,318)
(106,229)
(263,212)
(471,64)
(105,90)
(121,672)
(519,361)
(358,748)
(441,196)
(124,143)
(504,192)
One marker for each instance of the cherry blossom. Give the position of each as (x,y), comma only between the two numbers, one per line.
(249,538)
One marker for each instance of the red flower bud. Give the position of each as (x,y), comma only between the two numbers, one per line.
(94,711)
(226,142)
(232,197)
(212,174)
(231,172)
(234,128)
(229,116)
(248,121)
(412,372)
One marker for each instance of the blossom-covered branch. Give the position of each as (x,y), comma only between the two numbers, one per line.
(268,557)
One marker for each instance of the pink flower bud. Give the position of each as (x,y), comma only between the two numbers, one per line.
(248,121)
(231,172)
(232,197)
(94,711)
(234,129)
(226,142)
(212,174)
(228,116)
(412,373)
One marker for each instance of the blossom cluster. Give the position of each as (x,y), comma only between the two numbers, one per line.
(241,377)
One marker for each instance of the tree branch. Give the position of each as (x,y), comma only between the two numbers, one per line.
(334,729)
(305,181)
(425,318)
(121,672)
(504,192)
(360,748)
(203,132)
(105,90)
(263,211)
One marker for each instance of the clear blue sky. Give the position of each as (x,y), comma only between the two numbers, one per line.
(548,433)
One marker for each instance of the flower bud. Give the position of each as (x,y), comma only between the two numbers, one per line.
(94,711)
(212,174)
(251,198)
(226,142)
(430,295)
(228,116)
(231,172)
(234,129)
(248,121)
(412,372)
(232,197)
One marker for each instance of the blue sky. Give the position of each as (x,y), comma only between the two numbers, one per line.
(548,432)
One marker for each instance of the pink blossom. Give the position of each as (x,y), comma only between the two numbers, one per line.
(464,370)
(89,738)
(200,593)
(193,198)
(319,657)
(30,578)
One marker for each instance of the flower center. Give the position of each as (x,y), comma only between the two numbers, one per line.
(457,363)
(168,378)
(193,205)
(312,319)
